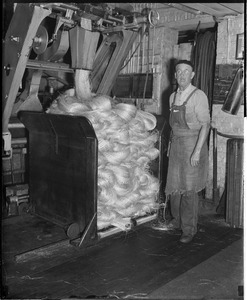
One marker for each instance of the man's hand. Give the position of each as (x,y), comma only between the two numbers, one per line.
(195,157)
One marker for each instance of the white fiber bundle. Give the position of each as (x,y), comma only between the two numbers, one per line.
(71,105)
(122,191)
(82,85)
(120,147)
(148,119)
(107,175)
(108,196)
(137,126)
(128,200)
(122,173)
(126,111)
(103,183)
(143,161)
(101,103)
(115,121)
(131,211)
(116,157)
(126,146)
(105,216)
(104,145)
(152,153)
(101,159)
(123,136)
(102,116)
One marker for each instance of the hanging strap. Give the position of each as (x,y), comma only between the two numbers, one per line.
(190,95)
(174,98)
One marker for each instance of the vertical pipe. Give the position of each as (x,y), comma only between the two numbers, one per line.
(215,190)
(153,49)
(132,59)
(143,52)
(139,52)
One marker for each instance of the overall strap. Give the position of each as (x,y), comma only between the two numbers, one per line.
(175,94)
(188,98)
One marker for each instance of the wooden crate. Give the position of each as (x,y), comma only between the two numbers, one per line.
(14,168)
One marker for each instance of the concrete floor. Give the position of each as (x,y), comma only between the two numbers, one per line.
(219,277)
(211,267)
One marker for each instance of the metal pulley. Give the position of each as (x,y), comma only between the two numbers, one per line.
(40,41)
(153,17)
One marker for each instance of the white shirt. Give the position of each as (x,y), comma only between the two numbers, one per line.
(181,96)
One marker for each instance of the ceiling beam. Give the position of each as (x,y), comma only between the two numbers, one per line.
(190,24)
(236,7)
(182,7)
(214,9)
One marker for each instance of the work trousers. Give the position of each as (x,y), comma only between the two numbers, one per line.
(184,209)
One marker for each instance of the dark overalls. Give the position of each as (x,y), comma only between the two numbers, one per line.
(184,181)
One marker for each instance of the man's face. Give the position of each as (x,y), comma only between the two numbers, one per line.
(184,74)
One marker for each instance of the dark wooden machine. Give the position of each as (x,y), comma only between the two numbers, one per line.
(49,42)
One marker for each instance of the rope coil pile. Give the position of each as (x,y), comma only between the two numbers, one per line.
(126,145)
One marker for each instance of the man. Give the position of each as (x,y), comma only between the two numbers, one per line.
(188,151)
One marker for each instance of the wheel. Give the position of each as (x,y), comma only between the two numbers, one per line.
(23,208)
(73,231)
(40,41)
(133,222)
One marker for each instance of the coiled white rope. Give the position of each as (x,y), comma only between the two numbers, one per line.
(126,146)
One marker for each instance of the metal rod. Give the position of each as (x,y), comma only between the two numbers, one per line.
(115,230)
(60,6)
(19,141)
(16,125)
(88,228)
(215,156)
(139,53)
(115,19)
(230,136)
(41,65)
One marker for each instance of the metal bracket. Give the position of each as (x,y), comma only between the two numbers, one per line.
(61,21)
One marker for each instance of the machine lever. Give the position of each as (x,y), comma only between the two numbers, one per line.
(88,229)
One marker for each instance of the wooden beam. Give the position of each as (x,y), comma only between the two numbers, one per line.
(214,9)
(190,24)
(237,7)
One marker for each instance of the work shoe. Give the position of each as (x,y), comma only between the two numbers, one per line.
(159,225)
(174,224)
(186,238)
